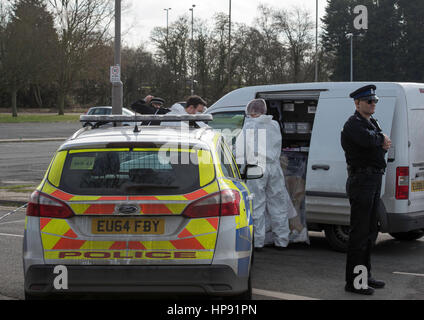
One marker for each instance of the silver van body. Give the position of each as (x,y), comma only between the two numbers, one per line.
(400,113)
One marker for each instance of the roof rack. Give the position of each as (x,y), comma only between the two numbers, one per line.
(144,120)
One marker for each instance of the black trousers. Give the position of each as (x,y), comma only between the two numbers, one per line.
(364,197)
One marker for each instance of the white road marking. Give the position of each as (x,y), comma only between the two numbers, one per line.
(410,274)
(16,221)
(280,295)
(11,235)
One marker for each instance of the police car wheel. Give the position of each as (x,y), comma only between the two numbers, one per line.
(337,237)
(247,295)
(408,236)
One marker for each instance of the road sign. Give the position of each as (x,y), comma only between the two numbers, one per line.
(115,74)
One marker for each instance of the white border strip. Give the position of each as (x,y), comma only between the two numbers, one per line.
(410,274)
(11,235)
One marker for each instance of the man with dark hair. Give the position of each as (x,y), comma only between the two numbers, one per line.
(365,146)
(195,104)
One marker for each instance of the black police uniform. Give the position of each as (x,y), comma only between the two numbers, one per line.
(362,141)
(144,108)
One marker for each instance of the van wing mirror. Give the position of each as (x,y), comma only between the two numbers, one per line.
(254,172)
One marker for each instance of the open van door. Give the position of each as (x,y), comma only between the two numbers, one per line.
(326,199)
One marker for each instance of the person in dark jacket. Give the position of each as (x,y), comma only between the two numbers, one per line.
(365,146)
(150,105)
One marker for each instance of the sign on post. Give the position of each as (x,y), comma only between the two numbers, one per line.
(115,74)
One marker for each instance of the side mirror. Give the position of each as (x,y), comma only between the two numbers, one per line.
(254,172)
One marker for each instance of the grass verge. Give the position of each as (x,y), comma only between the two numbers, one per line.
(38,118)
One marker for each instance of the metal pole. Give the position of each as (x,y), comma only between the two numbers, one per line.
(316,44)
(192,49)
(229,48)
(117,87)
(351,58)
(167,25)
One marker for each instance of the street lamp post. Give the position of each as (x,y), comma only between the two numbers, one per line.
(117,86)
(316,44)
(167,28)
(229,47)
(192,48)
(350,35)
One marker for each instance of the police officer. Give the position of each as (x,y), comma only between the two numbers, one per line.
(365,147)
(150,105)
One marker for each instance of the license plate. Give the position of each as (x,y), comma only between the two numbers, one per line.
(127,226)
(417,186)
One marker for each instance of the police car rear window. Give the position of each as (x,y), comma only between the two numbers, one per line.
(130,172)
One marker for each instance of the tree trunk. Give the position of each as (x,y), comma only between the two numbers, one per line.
(37,96)
(61,103)
(14,94)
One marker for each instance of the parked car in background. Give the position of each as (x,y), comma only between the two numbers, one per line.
(104,111)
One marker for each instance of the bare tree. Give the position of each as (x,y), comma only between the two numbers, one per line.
(82,25)
(296,27)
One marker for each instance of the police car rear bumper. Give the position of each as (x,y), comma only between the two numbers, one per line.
(211,280)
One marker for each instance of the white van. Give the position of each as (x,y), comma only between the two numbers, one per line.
(311,116)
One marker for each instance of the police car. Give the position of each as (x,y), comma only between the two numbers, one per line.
(141,209)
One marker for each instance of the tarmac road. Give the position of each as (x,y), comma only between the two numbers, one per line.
(300,272)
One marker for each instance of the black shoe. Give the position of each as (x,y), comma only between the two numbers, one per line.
(350,288)
(376,284)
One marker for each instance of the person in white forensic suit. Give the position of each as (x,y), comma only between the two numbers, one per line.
(260,143)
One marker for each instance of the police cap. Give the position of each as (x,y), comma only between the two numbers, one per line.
(157,100)
(364,92)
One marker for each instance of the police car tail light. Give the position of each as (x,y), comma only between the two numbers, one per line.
(42,205)
(224,203)
(402,183)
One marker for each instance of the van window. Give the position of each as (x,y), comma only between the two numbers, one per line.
(229,123)
(145,172)
(227,120)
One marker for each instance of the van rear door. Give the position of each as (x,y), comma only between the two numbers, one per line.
(416,150)
(326,199)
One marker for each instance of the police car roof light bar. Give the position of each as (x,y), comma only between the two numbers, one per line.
(146,118)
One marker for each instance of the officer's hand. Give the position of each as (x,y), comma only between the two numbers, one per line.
(387,142)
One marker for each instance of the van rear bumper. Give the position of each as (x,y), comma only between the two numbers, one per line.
(404,222)
(201,279)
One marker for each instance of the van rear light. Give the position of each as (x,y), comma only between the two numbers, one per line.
(402,183)
(224,203)
(42,205)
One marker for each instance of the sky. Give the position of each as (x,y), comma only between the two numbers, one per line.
(139,17)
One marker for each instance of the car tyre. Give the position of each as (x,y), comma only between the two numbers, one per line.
(337,237)
(408,236)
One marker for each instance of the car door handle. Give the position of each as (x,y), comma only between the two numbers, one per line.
(325,167)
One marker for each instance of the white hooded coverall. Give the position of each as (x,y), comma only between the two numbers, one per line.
(271,197)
